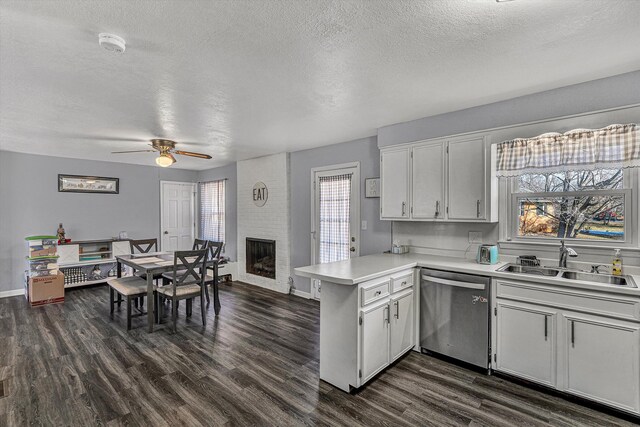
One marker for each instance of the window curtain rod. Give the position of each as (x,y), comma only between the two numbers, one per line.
(213,180)
(615,146)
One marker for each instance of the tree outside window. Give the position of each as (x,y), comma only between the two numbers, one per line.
(584,204)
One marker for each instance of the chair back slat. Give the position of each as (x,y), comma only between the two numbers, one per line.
(200,244)
(189,268)
(143,246)
(215,248)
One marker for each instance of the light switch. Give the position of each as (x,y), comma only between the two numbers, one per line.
(475,237)
(364,225)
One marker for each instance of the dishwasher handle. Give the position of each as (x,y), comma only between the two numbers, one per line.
(440,281)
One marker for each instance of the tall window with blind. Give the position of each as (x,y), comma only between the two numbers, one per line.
(212,210)
(335,208)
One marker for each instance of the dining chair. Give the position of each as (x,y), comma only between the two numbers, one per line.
(131,288)
(215,248)
(199,244)
(144,246)
(186,281)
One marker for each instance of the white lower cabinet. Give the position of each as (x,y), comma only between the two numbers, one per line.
(374,353)
(602,360)
(567,347)
(526,342)
(402,321)
(365,327)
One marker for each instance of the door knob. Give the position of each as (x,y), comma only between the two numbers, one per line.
(352,249)
(166,232)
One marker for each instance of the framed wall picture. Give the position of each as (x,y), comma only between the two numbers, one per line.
(88,184)
(372,187)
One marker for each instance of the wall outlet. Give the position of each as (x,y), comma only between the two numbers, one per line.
(475,237)
(364,225)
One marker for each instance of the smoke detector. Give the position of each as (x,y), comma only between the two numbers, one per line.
(111,42)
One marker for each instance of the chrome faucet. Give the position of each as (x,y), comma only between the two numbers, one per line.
(564,252)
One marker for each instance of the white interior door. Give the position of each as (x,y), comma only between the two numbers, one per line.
(335,216)
(177,215)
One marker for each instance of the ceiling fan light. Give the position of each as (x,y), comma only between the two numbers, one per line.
(165,160)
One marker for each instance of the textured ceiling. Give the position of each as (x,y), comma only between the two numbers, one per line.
(240,79)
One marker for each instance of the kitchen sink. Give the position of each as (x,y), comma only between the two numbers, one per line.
(599,278)
(605,279)
(523,269)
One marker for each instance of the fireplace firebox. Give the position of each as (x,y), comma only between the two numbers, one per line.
(261,257)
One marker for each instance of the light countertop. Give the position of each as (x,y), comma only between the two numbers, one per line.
(362,269)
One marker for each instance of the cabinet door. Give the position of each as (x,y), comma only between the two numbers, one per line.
(467,180)
(427,178)
(526,342)
(394,184)
(602,361)
(374,351)
(402,321)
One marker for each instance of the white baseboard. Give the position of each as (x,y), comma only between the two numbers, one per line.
(300,293)
(12,293)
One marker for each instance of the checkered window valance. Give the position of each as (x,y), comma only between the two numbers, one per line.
(615,146)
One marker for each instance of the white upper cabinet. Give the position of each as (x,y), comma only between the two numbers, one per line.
(427,177)
(447,179)
(467,176)
(394,182)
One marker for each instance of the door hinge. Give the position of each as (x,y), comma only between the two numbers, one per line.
(359,373)
(447,210)
(495,357)
(412,154)
(411,210)
(314,185)
(447,149)
(495,311)
(360,320)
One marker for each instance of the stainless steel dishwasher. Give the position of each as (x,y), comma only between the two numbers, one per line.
(454,315)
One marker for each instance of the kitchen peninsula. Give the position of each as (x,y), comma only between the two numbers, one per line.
(370,311)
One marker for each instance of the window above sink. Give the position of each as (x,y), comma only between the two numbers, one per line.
(584,205)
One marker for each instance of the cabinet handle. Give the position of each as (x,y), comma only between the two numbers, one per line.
(478,208)
(573,333)
(545,327)
(403,207)
(377,293)
(397,315)
(437,208)
(386,314)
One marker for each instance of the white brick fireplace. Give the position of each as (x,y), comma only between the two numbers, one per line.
(269,222)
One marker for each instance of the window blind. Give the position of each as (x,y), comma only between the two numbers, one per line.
(335,210)
(212,210)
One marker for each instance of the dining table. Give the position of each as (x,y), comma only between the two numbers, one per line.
(153,264)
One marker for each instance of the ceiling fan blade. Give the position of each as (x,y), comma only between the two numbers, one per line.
(133,151)
(190,154)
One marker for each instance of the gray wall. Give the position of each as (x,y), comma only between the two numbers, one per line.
(377,237)
(31,204)
(231,206)
(611,92)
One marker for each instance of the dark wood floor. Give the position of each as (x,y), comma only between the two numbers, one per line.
(256,364)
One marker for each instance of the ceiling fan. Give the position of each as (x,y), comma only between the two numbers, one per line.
(167,149)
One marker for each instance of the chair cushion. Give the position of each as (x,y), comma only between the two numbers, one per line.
(181,291)
(128,286)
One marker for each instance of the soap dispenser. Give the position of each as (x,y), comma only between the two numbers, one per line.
(616,264)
